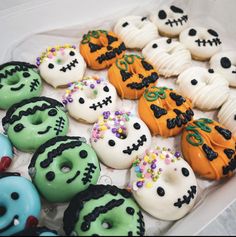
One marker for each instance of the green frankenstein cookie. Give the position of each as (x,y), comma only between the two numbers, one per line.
(62,167)
(18,81)
(34,121)
(103,210)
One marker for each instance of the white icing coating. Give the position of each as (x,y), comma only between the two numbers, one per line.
(203,43)
(206,89)
(225,64)
(67,65)
(163,184)
(169,57)
(118,138)
(86,100)
(135,31)
(170,20)
(227,115)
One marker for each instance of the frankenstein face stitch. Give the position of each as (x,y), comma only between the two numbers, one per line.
(40,118)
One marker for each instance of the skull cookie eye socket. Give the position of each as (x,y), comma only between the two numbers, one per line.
(162,14)
(50,65)
(137,126)
(168,41)
(83,154)
(19,127)
(52,112)
(194,82)
(15,196)
(185,172)
(3,211)
(225,62)
(212,32)
(176,9)
(235,117)
(144,18)
(50,176)
(192,32)
(125,24)
(211,70)
(26,74)
(81,100)
(106,89)
(111,143)
(160,191)
(154,46)
(72,53)
(130,211)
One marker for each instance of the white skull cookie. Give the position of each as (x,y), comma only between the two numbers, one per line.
(203,43)
(61,65)
(168,56)
(87,99)
(118,138)
(207,90)
(163,184)
(170,20)
(225,64)
(135,31)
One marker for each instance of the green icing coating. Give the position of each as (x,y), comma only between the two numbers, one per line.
(122,64)
(34,121)
(104,211)
(18,81)
(62,167)
(195,138)
(94,34)
(154,95)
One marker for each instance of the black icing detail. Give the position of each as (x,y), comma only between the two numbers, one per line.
(74,178)
(180,21)
(179,100)
(11,118)
(155,46)
(162,14)
(225,62)
(229,152)
(224,132)
(211,70)
(160,191)
(186,199)
(111,54)
(81,100)
(181,118)
(3,211)
(52,112)
(94,192)
(125,24)
(19,66)
(144,18)
(11,224)
(185,172)
(83,154)
(192,32)
(72,53)
(212,32)
(135,147)
(147,66)
(18,127)
(34,85)
(146,81)
(111,39)
(50,66)
(158,111)
(94,47)
(176,9)
(111,143)
(35,231)
(210,154)
(105,101)
(130,233)
(50,176)
(168,41)
(70,143)
(106,88)
(9,174)
(26,74)
(125,75)
(194,82)
(15,196)
(130,211)
(137,126)
(17,88)
(230,167)
(70,65)
(88,175)
(203,42)
(45,131)
(59,126)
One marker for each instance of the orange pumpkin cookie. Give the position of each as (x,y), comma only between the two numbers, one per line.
(101,48)
(164,111)
(209,149)
(131,75)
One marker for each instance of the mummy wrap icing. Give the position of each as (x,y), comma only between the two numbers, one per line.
(61,65)
(135,31)
(206,89)
(169,57)
(224,63)
(88,99)
(170,20)
(203,43)
(6,152)
(118,138)
(163,184)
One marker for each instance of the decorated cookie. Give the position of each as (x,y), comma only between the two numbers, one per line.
(103,210)
(163,184)
(37,231)
(101,48)
(227,115)
(18,81)
(209,149)
(87,99)
(135,31)
(6,152)
(225,64)
(62,167)
(118,138)
(170,20)
(206,89)
(19,204)
(61,65)
(169,57)
(164,111)
(203,43)
(32,122)
(131,75)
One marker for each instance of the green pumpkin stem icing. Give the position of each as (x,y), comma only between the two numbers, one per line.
(154,95)
(122,64)
(95,34)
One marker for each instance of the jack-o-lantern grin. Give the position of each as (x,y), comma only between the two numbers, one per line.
(135,147)
(105,102)
(70,65)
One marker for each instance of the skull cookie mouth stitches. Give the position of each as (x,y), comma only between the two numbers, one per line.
(70,65)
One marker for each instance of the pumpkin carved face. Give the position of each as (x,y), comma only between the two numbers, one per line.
(209,149)
(101,48)
(164,111)
(131,75)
